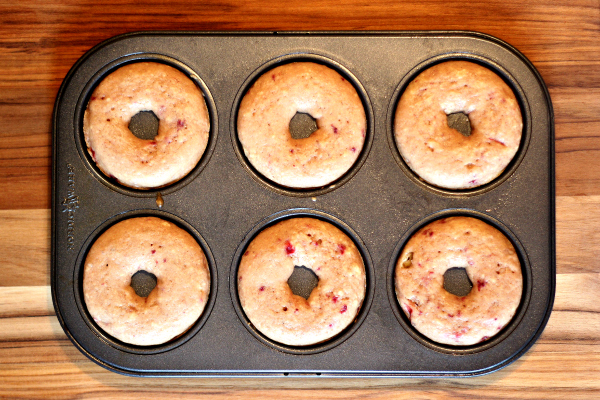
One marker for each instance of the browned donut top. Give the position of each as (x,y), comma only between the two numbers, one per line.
(158,247)
(269,105)
(269,261)
(182,131)
(493,268)
(443,156)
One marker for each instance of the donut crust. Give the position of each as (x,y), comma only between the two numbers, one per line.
(492,265)
(183,129)
(443,156)
(269,261)
(305,87)
(158,247)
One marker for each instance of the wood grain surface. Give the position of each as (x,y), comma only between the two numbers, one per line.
(41,40)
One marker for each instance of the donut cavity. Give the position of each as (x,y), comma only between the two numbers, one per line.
(459,121)
(302,281)
(302,125)
(144,125)
(457,282)
(143,283)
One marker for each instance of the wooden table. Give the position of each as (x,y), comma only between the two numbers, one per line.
(40,41)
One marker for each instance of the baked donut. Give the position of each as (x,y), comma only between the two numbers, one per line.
(158,247)
(183,128)
(263,125)
(491,264)
(269,261)
(442,156)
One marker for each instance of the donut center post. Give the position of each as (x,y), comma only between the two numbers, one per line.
(302,281)
(144,125)
(460,121)
(302,125)
(143,282)
(457,282)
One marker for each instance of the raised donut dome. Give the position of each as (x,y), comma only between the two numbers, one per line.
(440,154)
(268,106)
(183,127)
(491,265)
(270,260)
(159,248)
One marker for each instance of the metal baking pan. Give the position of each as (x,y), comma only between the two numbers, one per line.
(223,202)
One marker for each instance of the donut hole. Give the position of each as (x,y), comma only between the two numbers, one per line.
(144,125)
(143,282)
(460,122)
(302,281)
(302,125)
(457,282)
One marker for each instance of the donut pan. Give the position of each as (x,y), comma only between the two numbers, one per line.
(223,202)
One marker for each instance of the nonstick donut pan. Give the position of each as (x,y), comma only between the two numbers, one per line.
(379,203)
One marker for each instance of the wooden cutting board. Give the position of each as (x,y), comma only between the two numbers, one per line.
(40,41)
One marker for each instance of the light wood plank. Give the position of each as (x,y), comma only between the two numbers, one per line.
(579,292)
(25,247)
(31,301)
(532,377)
(30,328)
(577,234)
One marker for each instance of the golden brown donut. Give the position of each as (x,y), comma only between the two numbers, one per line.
(158,247)
(492,265)
(182,132)
(267,265)
(269,105)
(443,156)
